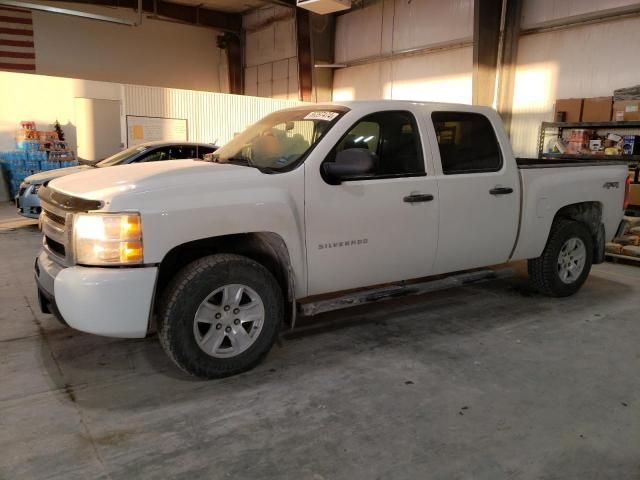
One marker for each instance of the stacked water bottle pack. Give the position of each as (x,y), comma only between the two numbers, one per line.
(36,151)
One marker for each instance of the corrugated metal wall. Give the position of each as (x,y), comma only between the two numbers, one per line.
(211,117)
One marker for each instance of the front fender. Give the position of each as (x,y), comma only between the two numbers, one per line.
(270,203)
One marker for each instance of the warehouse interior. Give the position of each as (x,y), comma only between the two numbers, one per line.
(474,369)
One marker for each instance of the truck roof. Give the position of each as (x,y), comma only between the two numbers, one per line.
(374,104)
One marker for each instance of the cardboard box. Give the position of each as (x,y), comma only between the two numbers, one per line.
(572,108)
(626,110)
(634,194)
(597,109)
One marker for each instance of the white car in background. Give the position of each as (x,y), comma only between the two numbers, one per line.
(27,200)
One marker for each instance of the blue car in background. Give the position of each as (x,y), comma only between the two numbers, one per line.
(27,199)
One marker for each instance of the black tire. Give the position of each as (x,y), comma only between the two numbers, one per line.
(544,275)
(187,291)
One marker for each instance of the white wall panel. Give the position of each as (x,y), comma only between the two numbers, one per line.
(281,69)
(251,81)
(363,82)
(442,76)
(358,33)
(44,100)
(394,25)
(271,48)
(586,61)
(285,39)
(538,11)
(425,22)
(293,79)
(146,55)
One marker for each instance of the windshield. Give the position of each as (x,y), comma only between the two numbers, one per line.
(281,140)
(121,157)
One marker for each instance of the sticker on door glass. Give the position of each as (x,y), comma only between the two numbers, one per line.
(323,115)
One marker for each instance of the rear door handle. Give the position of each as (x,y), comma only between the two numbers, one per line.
(501,191)
(419,197)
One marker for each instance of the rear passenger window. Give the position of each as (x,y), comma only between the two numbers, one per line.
(467,143)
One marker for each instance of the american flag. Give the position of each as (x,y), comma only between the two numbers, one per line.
(16,40)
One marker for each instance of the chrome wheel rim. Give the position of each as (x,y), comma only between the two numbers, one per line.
(228,321)
(571,260)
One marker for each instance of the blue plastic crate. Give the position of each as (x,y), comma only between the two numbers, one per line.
(28,145)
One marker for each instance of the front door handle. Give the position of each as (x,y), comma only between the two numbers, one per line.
(501,191)
(419,197)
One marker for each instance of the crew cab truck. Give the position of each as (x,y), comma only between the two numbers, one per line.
(311,201)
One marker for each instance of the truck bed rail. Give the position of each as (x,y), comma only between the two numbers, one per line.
(524,163)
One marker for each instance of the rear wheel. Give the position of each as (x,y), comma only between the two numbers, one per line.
(220,316)
(565,262)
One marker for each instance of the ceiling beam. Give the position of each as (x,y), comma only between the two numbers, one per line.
(228,22)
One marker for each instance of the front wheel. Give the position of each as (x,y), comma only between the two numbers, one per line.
(220,316)
(565,262)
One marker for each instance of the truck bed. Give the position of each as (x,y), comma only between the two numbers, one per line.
(564,162)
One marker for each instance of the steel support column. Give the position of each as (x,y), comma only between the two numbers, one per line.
(510,37)
(486,40)
(305,64)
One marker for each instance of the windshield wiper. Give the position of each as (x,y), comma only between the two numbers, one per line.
(234,160)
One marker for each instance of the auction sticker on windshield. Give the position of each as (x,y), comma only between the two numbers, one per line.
(323,115)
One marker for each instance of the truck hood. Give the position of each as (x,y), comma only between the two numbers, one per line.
(105,184)
(42,177)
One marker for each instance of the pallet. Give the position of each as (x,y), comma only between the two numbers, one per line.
(615,257)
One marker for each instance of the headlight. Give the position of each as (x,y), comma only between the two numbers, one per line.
(107,238)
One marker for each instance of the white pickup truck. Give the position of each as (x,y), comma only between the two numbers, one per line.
(309,204)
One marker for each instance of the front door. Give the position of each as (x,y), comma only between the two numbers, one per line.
(479,193)
(382,226)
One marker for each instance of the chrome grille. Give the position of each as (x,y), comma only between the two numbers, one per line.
(59,219)
(54,229)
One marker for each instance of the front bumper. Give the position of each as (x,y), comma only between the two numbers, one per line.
(114,302)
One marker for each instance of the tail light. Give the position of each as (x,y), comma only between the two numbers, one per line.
(627,193)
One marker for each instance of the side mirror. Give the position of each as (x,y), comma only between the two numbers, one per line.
(353,162)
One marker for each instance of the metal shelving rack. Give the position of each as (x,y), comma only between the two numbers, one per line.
(555,129)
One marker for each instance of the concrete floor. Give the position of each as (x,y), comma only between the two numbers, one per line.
(484,382)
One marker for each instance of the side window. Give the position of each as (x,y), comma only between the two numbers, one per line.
(467,143)
(202,151)
(155,155)
(393,140)
(180,152)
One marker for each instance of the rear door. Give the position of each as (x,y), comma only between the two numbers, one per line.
(479,192)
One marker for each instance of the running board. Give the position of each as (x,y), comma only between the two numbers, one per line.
(385,293)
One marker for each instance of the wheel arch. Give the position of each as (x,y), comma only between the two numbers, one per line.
(267,248)
(589,214)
